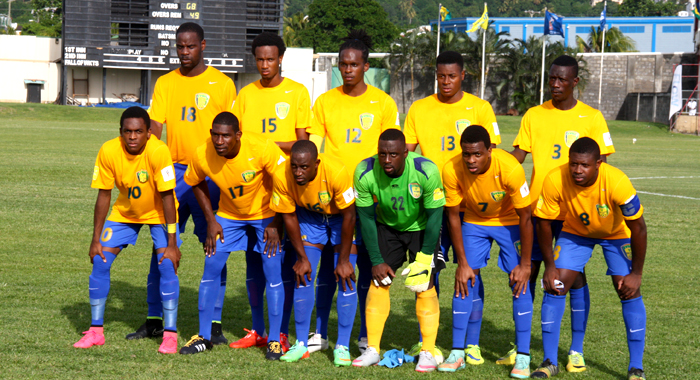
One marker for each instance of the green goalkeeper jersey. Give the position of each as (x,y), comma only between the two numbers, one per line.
(402,201)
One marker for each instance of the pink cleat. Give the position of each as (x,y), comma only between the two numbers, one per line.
(93,337)
(169,345)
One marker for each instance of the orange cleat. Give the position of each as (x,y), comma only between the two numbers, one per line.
(252,339)
(284,341)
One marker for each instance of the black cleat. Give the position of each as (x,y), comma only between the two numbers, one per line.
(153,328)
(546,370)
(217,335)
(196,345)
(636,374)
(274,350)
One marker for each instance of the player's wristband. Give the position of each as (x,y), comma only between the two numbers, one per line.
(424,258)
(171,228)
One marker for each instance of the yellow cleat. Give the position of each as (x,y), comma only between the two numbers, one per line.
(509,358)
(473,355)
(576,362)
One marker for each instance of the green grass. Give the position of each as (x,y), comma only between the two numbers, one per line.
(46,159)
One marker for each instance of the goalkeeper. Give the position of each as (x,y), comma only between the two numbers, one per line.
(408,189)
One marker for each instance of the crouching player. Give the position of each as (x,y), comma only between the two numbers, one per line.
(493,184)
(408,190)
(601,207)
(242,166)
(314,194)
(140,166)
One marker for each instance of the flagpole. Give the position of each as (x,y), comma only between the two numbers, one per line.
(483,59)
(544,44)
(602,51)
(437,49)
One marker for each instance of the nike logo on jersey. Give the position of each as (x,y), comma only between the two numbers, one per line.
(519,313)
(459,312)
(373,101)
(212,82)
(578,310)
(423,272)
(582,115)
(207,281)
(547,323)
(275,285)
(287,92)
(634,331)
(167,294)
(252,158)
(349,294)
(468,108)
(93,288)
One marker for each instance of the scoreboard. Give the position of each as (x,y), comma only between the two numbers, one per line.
(140,34)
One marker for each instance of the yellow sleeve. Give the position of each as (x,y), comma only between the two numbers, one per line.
(601,135)
(548,205)
(162,166)
(102,175)
(231,95)
(489,122)
(194,173)
(517,186)
(238,107)
(158,103)
(342,188)
(523,140)
(453,193)
(274,158)
(390,115)
(625,197)
(409,128)
(303,110)
(281,201)
(318,123)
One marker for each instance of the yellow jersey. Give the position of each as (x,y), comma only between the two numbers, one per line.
(492,197)
(188,107)
(140,179)
(352,124)
(328,193)
(276,112)
(438,126)
(598,211)
(245,180)
(548,132)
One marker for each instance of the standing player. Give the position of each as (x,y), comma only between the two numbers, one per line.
(244,166)
(314,194)
(601,207)
(547,131)
(493,185)
(408,190)
(280,109)
(437,123)
(140,166)
(187,100)
(351,117)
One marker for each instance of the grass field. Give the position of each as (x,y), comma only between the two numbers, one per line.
(46,158)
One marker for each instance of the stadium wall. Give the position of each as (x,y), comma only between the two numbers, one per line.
(29,58)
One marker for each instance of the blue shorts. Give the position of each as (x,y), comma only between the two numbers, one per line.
(241,235)
(119,235)
(573,252)
(478,240)
(188,203)
(445,239)
(319,228)
(556,230)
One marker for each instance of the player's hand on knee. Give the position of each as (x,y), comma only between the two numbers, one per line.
(418,273)
(302,271)
(345,274)
(520,277)
(271,237)
(214,233)
(628,286)
(548,278)
(96,250)
(463,275)
(173,254)
(382,274)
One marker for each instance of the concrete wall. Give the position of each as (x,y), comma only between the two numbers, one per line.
(29,57)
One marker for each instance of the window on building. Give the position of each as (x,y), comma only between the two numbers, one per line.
(583,29)
(538,29)
(676,29)
(632,29)
(505,29)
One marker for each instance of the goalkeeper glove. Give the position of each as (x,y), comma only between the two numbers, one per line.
(419,273)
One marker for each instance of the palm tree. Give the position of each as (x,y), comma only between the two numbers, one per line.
(408,48)
(291,28)
(407,7)
(615,41)
(496,47)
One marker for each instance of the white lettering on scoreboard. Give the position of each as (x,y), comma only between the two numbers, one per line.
(165,14)
(169,28)
(77,56)
(168,6)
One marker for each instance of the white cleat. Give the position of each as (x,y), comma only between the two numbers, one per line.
(368,358)
(426,362)
(316,343)
(362,345)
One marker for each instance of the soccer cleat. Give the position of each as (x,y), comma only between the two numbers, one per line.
(362,345)
(473,353)
(521,369)
(252,339)
(439,357)
(426,362)
(636,374)
(217,335)
(576,362)
(284,341)
(416,349)
(509,358)
(454,362)
(91,338)
(317,343)
(296,353)
(418,273)
(169,345)
(368,358)
(545,370)
(196,345)
(341,357)
(274,350)
(153,328)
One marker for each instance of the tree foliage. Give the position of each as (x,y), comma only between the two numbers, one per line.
(630,8)
(615,41)
(47,19)
(293,25)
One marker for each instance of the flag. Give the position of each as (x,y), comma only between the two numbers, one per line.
(553,24)
(445,14)
(696,13)
(676,91)
(482,22)
(603,19)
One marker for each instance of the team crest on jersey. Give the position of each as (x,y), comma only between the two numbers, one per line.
(201,100)
(540,202)
(275,198)
(142,176)
(107,234)
(324,197)
(518,246)
(282,110)
(570,137)
(627,250)
(498,195)
(248,175)
(366,120)
(461,125)
(95,173)
(603,210)
(415,190)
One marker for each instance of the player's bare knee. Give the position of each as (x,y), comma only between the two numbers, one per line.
(579,281)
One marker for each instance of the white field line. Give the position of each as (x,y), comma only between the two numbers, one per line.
(667,195)
(690,176)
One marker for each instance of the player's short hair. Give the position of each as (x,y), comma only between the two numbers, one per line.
(227,118)
(449,57)
(475,133)
(135,113)
(305,146)
(358,40)
(190,27)
(567,61)
(586,145)
(393,135)
(269,39)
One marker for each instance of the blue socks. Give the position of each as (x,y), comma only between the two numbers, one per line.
(169,292)
(522,316)
(255,286)
(304,298)
(474,329)
(346,304)
(325,290)
(635,315)
(272,268)
(218,307)
(209,291)
(461,311)
(155,304)
(552,312)
(99,286)
(289,281)
(580,303)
